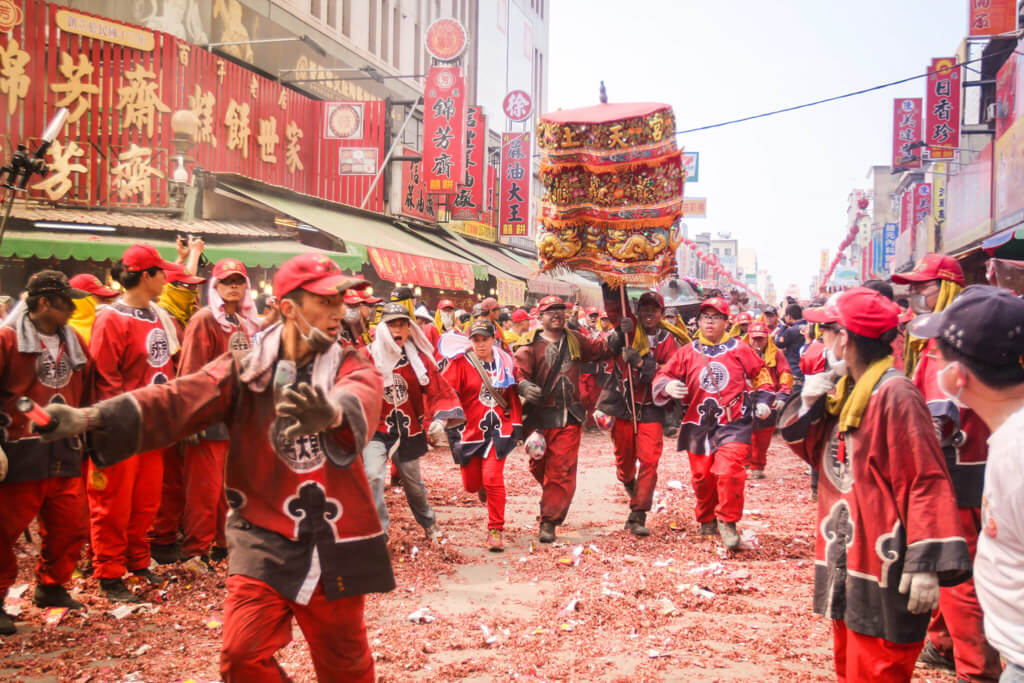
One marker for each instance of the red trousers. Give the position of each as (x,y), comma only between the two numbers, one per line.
(60,504)
(556,472)
(957,629)
(258,623)
(123,500)
(206,507)
(643,448)
(759,448)
(172,498)
(489,474)
(861,658)
(718,481)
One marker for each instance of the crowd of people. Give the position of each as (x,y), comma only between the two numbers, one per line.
(148,430)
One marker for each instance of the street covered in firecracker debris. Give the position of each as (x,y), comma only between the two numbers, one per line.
(599,604)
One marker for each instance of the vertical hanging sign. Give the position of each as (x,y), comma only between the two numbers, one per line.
(906,130)
(471,194)
(942,110)
(992,17)
(515,184)
(444,129)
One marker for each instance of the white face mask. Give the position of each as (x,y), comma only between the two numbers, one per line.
(317,339)
(837,366)
(447,319)
(919,304)
(955,398)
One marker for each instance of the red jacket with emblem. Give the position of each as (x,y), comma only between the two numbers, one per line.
(130,348)
(486,424)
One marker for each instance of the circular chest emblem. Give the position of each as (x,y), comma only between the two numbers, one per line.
(398,392)
(486,398)
(238,341)
(158,349)
(714,378)
(302,454)
(51,373)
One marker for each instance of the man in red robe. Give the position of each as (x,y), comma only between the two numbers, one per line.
(43,358)
(957,629)
(888,531)
(638,452)
(712,375)
(548,365)
(304,537)
(483,379)
(759,338)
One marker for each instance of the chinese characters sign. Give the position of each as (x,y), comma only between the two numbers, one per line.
(922,202)
(889,235)
(444,129)
(942,110)
(469,204)
(510,292)
(416,201)
(515,184)
(992,17)
(906,130)
(517,105)
(394,266)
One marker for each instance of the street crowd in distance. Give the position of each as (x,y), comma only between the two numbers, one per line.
(259,439)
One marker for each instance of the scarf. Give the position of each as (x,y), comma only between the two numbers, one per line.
(257,367)
(29,341)
(453,345)
(167,322)
(83,317)
(913,346)
(704,340)
(178,301)
(849,403)
(574,342)
(769,351)
(386,353)
(249,319)
(642,345)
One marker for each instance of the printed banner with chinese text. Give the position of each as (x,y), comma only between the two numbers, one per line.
(444,129)
(906,130)
(395,266)
(942,110)
(471,195)
(515,185)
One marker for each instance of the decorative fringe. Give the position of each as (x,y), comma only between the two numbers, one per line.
(631,224)
(550,167)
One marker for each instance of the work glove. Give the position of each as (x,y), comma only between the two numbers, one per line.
(924,591)
(676,389)
(627,326)
(778,404)
(70,421)
(436,434)
(311,410)
(762,411)
(3,465)
(816,386)
(632,357)
(530,392)
(616,341)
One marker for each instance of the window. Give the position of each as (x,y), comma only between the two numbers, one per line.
(332,13)
(346,17)
(372,46)
(396,27)
(728,251)
(385,29)
(417,50)
(314,8)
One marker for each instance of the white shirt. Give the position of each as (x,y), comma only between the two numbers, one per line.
(999,563)
(51,343)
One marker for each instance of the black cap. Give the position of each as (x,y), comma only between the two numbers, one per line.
(482,328)
(478,311)
(401,293)
(53,283)
(984,323)
(771,310)
(394,311)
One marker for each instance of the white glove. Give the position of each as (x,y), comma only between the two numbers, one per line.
(762,411)
(676,389)
(816,386)
(435,433)
(70,421)
(778,404)
(924,591)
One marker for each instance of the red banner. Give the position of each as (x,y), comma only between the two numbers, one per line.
(515,184)
(394,266)
(1006,95)
(906,130)
(493,195)
(470,199)
(942,110)
(992,17)
(444,129)
(906,210)
(416,201)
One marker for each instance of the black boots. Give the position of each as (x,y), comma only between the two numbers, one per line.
(54,596)
(547,532)
(635,523)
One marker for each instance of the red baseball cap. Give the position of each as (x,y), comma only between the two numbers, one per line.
(445,303)
(933,267)
(744,319)
(828,313)
(715,303)
(91,284)
(353,297)
(227,267)
(184,278)
(593,310)
(865,312)
(757,329)
(519,315)
(489,304)
(550,302)
(143,257)
(314,273)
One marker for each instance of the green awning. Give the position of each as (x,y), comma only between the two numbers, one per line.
(82,247)
(358,232)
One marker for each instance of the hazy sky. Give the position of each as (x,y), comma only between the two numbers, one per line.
(779,184)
